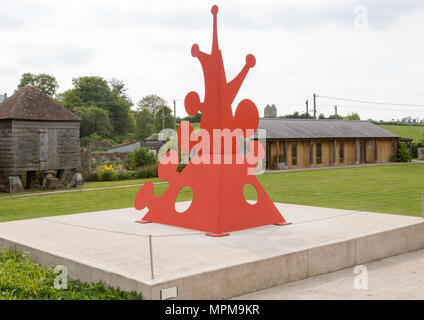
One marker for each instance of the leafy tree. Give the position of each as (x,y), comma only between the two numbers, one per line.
(95,91)
(353,116)
(169,119)
(321,116)
(119,86)
(45,82)
(296,115)
(144,124)
(196,118)
(152,103)
(334,116)
(94,120)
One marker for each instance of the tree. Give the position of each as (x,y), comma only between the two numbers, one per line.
(152,103)
(159,121)
(119,86)
(296,115)
(45,82)
(94,120)
(352,116)
(144,124)
(95,91)
(335,116)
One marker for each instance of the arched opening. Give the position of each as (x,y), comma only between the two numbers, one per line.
(250,193)
(185,194)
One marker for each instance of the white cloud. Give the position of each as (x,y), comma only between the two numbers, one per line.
(301,47)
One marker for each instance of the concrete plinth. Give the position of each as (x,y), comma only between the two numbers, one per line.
(110,247)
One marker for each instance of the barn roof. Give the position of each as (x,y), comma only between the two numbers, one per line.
(29,103)
(281,128)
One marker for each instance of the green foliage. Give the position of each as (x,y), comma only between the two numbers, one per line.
(139,157)
(168,120)
(296,115)
(415,132)
(402,154)
(352,116)
(150,171)
(45,82)
(196,118)
(106,173)
(94,120)
(280,158)
(95,91)
(151,103)
(144,124)
(415,147)
(22,279)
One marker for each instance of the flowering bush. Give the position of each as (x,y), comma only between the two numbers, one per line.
(106,173)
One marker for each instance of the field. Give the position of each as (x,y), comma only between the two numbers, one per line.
(387,189)
(414,132)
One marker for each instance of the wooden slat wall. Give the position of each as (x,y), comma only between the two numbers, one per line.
(6,145)
(63,145)
(385,150)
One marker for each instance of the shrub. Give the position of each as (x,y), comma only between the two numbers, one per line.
(20,279)
(415,147)
(106,173)
(402,153)
(140,157)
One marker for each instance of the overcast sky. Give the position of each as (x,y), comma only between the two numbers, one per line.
(369,50)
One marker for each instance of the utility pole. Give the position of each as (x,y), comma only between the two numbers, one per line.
(163,117)
(307,110)
(175,116)
(335,109)
(315,106)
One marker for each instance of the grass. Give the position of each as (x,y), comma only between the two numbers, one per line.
(388,189)
(22,279)
(414,132)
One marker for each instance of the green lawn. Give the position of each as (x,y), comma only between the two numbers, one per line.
(414,132)
(390,189)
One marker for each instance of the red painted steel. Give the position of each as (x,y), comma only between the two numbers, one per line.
(218,205)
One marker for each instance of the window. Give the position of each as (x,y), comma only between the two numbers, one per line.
(318,153)
(294,154)
(341,154)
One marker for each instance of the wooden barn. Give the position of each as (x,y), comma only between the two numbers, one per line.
(303,143)
(37,134)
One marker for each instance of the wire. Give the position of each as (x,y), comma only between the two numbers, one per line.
(373,102)
(371,108)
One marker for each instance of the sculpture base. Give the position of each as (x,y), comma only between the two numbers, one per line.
(217,234)
(142,221)
(108,246)
(282,224)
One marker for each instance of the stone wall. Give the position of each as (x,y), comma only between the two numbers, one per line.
(86,158)
(109,157)
(99,145)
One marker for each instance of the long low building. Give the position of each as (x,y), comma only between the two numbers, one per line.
(303,143)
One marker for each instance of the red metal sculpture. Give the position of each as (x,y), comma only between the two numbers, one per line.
(215,175)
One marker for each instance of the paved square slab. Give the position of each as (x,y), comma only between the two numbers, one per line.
(109,246)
